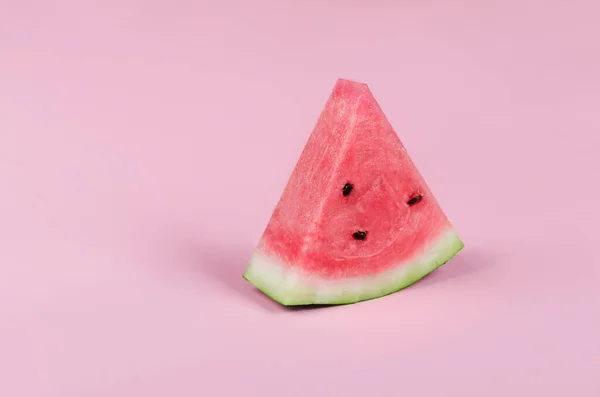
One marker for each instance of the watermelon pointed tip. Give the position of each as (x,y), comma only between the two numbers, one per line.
(341,82)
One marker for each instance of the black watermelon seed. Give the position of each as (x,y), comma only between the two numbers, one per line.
(359,235)
(414,200)
(347,189)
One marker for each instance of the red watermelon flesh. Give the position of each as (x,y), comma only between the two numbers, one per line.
(356,219)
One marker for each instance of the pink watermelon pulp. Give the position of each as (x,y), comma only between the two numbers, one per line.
(356,220)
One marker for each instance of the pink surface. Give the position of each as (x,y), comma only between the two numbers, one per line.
(143,145)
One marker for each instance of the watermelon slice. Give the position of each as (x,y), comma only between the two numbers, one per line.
(356,220)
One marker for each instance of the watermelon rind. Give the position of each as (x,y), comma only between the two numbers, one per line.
(290,286)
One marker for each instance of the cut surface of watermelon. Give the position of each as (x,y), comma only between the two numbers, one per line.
(356,220)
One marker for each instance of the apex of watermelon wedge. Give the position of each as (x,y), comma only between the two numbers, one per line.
(356,220)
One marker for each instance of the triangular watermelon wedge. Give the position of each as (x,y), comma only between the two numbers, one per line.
(356,220)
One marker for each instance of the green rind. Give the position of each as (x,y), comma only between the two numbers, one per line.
(300,292)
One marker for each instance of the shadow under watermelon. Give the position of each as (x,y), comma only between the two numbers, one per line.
(464,264)
(225,265)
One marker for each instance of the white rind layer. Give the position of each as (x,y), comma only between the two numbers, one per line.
(290,286)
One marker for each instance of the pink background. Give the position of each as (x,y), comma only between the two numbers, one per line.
(143,145)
